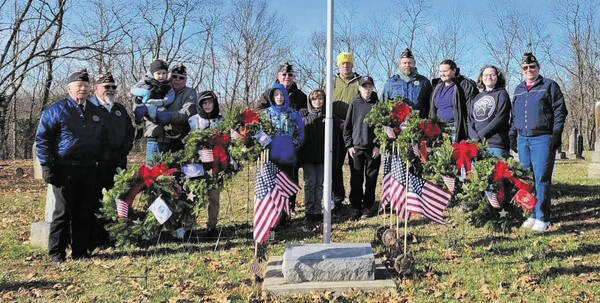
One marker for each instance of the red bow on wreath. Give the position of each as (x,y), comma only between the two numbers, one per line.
(149,175)
(249,117)
(400,112)
(463,153)
(430,129)
(219,143)
(523,197)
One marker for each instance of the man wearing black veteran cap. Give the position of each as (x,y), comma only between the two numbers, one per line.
(363,150)
(286,75)
(414,88)
(70,141)
(120,140)
(538,118)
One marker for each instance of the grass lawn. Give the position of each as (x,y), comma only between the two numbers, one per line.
(455,262)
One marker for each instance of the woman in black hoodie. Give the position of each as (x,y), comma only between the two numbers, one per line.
(489,112)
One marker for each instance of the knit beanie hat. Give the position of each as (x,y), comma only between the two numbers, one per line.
(157,65)
(344,57)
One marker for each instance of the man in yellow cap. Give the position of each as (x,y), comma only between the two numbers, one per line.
(345,91)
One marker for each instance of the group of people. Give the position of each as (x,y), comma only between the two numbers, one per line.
(81,142)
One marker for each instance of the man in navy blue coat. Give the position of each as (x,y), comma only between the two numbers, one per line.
(70,141)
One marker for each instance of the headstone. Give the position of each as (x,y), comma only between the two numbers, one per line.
(40,231)
(579,154)
(573,142)
(594,168)
(329,262)
(37,168)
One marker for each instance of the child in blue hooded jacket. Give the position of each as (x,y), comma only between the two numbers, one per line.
(290,133)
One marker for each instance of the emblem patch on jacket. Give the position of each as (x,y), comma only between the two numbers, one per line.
(484,108)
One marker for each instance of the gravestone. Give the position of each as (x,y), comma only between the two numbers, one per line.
(40,230)
(573,142)
(579,153)
(328,262)
(37,168)
(594,168)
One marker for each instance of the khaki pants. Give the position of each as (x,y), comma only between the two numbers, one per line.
(213,207)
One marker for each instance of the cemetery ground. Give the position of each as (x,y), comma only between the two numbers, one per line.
(454,262)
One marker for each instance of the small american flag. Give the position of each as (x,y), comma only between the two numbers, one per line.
(122,208)
(450,182)
(265,211)
(427,199)
(416,149)
(394,183)
(389,132)
(493,199)
(206,155)
(288,189)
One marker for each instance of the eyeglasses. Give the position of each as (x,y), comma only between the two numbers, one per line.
(531,66)
(176,77)
(110,86)
(288,74)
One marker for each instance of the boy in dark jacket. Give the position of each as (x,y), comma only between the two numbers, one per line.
(312,153)
(364,151)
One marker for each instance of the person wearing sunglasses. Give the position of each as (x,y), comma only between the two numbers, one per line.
(286,75)
(538,118)
(120,141)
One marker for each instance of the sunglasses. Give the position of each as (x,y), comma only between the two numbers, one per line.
(531,66)
(176,77)
(110,86)
(288,74)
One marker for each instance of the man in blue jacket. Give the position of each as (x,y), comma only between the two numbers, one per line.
(409,85)
(70,140)
(538,118)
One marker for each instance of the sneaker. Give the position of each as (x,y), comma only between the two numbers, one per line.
(540,226)
(528,223)
(365,214)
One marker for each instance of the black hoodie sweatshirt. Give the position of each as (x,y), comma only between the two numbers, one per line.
(356,132)
(489,115)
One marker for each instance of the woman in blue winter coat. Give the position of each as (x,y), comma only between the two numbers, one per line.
(290,134)
(489,112)
(538,118)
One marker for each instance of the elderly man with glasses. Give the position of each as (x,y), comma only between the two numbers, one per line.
(286,76)
(538,118)
(70,140)
(165,134)
(119,142)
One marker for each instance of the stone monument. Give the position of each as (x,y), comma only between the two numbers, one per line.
(37,168)
(594,168)
(41,230)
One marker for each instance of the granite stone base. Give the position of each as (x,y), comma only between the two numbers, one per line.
(329,262)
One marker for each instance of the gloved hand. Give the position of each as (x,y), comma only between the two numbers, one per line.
(556,140)
(49,174)
(513,142)
(139,113)
(163,117)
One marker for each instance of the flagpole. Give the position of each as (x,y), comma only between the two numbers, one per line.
(328,128)
(406,207)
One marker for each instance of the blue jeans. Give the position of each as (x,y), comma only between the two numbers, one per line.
(499,152)
(153,147)
(537,152)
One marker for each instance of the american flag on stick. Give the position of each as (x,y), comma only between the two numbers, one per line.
(206,155)
(426,198)
(491,196)
(122,208)
(265,211)
(394,183)
(272,191)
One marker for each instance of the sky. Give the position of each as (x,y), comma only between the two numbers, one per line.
(307,16)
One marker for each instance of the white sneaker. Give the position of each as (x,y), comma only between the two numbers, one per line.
(528,223)
(540,226)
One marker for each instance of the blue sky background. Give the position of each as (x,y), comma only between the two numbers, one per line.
(305,17)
